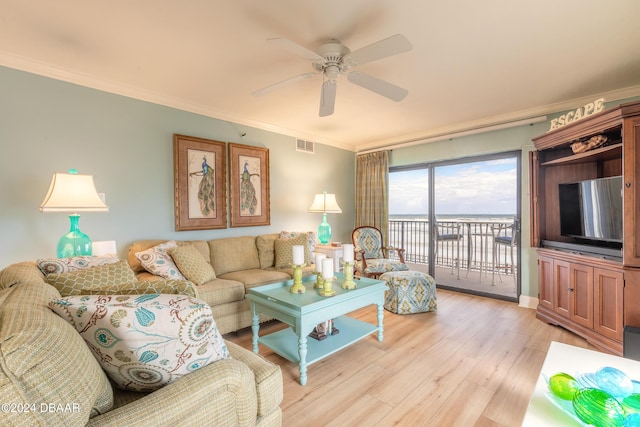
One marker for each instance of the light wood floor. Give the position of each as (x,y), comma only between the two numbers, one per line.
(474,362)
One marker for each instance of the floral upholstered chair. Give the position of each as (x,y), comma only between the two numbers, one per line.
(372,257)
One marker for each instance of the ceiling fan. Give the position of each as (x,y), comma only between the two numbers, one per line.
(333,58)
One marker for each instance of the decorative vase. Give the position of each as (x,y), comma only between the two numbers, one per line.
(75,242)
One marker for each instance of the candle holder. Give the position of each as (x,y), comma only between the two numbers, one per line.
(319,281)
(327,290)
(297,287)
(348,276)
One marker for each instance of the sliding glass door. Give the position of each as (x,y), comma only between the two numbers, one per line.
(459,221)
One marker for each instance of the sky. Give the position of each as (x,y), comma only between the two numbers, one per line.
(486,187)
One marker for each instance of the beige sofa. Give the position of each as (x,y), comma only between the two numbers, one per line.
(49,377)
(239,263)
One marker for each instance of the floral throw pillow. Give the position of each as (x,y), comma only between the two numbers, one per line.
(66,265)
(156,260)
(144,342)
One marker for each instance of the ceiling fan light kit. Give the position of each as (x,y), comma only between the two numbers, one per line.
(333,58)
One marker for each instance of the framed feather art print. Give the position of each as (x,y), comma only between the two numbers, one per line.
(200,168)
(249,185)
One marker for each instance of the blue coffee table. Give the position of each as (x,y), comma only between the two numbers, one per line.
(303,312)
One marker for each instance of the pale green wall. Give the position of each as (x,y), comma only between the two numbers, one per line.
(49,126)
(518,138)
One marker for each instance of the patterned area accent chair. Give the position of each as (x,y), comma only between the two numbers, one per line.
(371,256)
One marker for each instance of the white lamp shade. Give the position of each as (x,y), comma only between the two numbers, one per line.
(71,192)
(325,203)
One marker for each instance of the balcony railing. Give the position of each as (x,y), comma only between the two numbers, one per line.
(476,244)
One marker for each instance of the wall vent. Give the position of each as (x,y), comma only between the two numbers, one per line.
(306,146)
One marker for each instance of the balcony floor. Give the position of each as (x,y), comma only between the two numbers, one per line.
(471,283)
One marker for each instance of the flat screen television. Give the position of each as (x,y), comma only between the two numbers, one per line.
(592,210)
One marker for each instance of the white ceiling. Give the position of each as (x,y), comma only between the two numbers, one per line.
(473,64)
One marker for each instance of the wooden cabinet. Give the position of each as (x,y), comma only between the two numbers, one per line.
(583,287)
(583,295)
(608,289)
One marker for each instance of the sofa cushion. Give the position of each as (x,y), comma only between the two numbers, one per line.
(147,341)
(221,291)
(162,286)
(44,360)
(256,277)
(266,249)
(234,254)
(157,260)
(192,264)
(284,250)
(101,277)
(66,265)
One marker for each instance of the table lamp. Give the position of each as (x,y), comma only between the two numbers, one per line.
(324,203)
(71,192)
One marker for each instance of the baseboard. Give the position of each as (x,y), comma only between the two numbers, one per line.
(528,302)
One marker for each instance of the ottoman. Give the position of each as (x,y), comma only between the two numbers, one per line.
(409,292)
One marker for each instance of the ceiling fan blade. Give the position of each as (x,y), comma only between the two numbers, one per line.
(295,48)
(381,87)
(387,47)
(283,83)
(328,98)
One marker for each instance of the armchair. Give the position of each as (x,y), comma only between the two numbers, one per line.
(371,256)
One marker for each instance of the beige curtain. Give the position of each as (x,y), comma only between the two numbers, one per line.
(372,175)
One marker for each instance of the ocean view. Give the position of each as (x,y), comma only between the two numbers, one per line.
(455,217)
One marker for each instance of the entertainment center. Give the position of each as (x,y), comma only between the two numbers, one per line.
(585,223)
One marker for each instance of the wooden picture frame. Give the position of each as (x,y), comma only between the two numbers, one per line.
(200,170)
(249,185)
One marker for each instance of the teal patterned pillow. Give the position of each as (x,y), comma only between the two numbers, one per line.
(144,342)
(156,260)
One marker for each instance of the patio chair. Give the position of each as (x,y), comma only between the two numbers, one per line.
(371,256)
(448,234)
(504,235)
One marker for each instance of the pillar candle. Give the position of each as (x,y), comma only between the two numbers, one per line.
(319,258)
(298,255)
(327,268)
(347,252)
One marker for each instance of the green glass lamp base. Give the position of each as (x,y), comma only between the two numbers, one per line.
(324,230)
(75,242)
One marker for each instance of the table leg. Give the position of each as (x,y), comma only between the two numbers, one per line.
(302,352)
(255,328)
(380,318)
